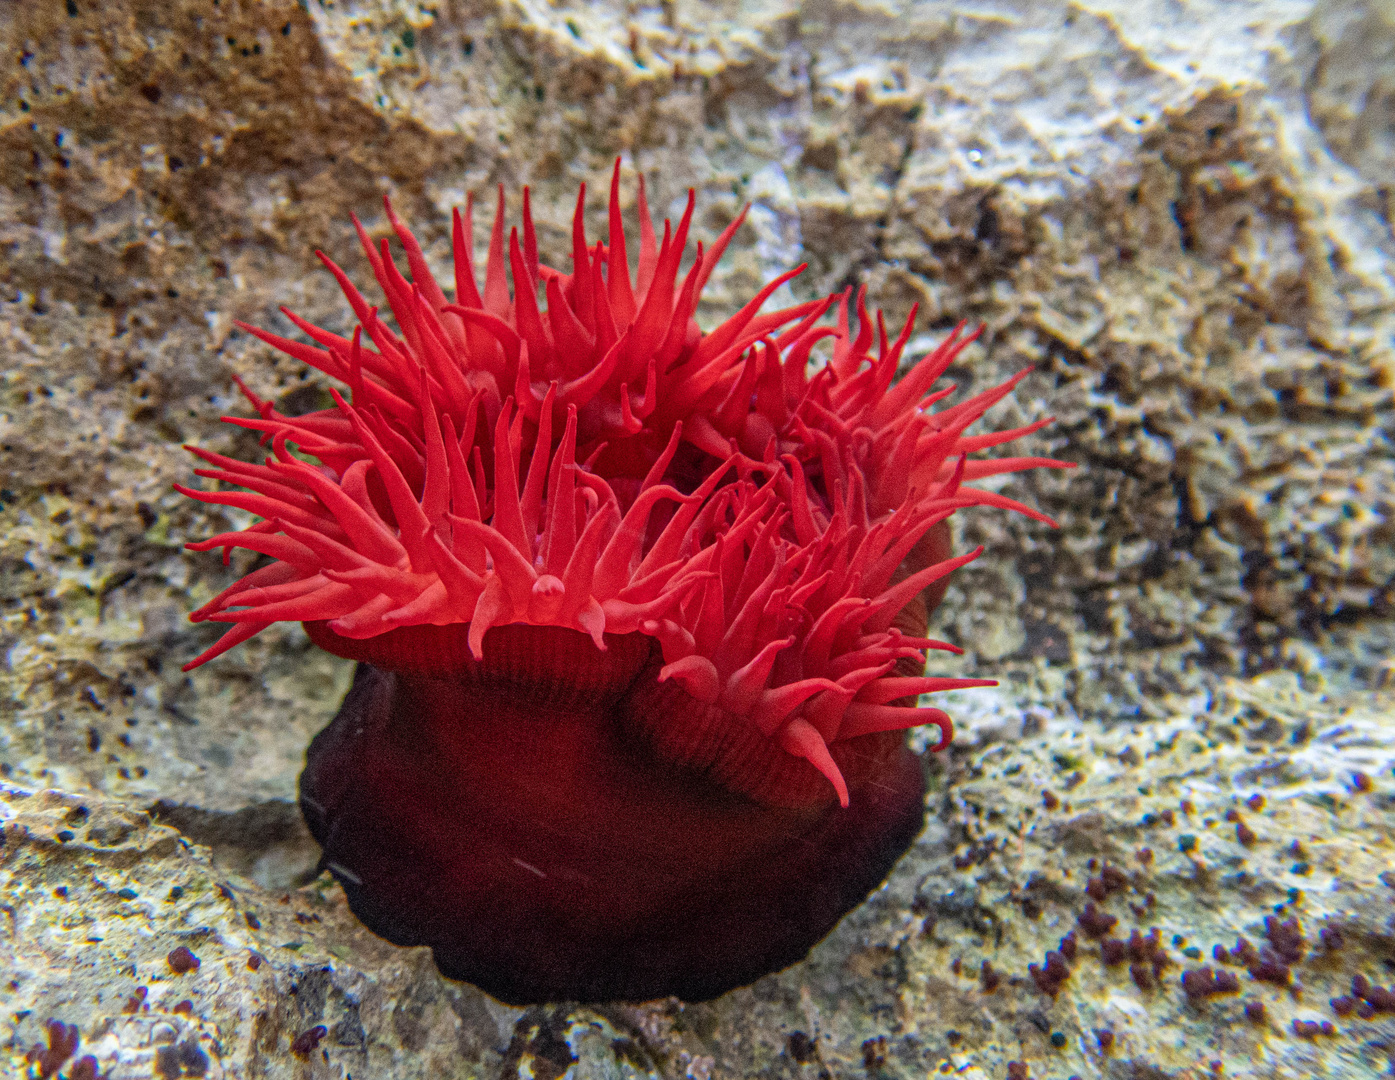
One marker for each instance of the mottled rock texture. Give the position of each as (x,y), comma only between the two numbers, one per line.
(1180,212)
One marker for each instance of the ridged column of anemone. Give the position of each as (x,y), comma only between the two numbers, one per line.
(728,750)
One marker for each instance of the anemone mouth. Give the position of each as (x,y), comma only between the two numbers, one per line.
(594,462)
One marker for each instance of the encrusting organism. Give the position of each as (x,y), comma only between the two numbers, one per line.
(640,610)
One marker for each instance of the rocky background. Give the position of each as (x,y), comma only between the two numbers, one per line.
(1179,212)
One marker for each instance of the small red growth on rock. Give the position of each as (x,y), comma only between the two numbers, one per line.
(136,1000)
(63,1042)
(1255,802)
(1378,998)
(1113,951)
(1144,855)
(1331,938)
(1243,954)
(1286,938)
(306,1042)
(182,961)
(1068,946)
(1049,800)
(85,1069)
(1204,982)
(254,961)
(1105,1038)
(1148,956)
(874,1053)
(1017,1070)
(1168,817)
(1254,1012)
(185,1007)
(1052,975)
(1344,1005)
(1095,922)
(1245,834)
(1361,782)
(1269,968)
(1111,880)
(252,921)
(990,978)
(1232,815)
(1311,1029)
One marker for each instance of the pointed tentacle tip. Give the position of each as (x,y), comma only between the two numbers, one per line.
(634,675)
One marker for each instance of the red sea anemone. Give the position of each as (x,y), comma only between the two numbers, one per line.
(640,609)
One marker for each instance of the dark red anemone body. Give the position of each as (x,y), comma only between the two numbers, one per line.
(640,610)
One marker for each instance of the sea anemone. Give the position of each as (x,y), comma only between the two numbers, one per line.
(640,610)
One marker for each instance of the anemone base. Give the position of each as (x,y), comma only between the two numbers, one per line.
(544,857)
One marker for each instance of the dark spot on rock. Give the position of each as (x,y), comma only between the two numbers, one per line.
(151,93)
(305,1044)
(1255,1012)
(801,1047)
(1046,640)
(989,978)
(874,1053)
(182,961)
(185,1059)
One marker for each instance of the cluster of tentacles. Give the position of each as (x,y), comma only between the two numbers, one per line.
(600,463)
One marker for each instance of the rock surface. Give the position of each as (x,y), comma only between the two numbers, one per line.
(1181,213)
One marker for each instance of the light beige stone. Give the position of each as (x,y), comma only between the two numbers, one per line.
(1179,212)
